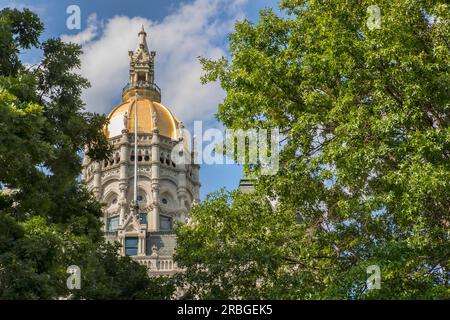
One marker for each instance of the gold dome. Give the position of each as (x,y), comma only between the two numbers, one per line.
(167,124)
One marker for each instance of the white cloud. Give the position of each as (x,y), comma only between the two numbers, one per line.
(86,35)
(196,29)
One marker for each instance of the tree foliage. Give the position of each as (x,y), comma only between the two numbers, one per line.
(48,221)
(364,173)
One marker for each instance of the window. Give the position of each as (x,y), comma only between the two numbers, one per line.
(112,223)
(114,201)
(165,223)
(131,246)
(142,198)
(143,217)
(164,200)
(141,76)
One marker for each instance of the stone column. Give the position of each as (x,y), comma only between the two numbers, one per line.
(195,172)
(123,174)
(182,184)
(142,241)
(121,240)
(85,164)
(154,218)
(97,189)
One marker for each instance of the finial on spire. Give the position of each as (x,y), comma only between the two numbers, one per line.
(142,30)
(142,41)
(142,71)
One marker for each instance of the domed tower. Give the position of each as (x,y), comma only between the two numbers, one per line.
(143,189)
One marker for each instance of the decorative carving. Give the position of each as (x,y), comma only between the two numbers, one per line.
(170,173)
(180,131)
(155,119)
(125,120)
(112,213)
(130,228)
(154,251)
(108,172)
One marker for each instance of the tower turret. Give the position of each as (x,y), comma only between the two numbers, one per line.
(142,72)
(143,190)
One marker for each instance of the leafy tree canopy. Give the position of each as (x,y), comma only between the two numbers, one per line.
(48,221)
(364,173)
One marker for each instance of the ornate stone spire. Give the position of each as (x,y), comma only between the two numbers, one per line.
(142,40)
(142,72)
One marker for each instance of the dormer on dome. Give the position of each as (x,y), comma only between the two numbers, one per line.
(142,72)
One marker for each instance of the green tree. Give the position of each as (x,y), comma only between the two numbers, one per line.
(48,220)
(234,247)
(364,173)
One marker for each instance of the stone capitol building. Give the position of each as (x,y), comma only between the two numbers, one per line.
(143,189)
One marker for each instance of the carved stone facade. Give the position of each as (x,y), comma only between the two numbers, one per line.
(165,191)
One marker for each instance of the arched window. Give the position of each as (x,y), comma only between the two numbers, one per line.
(167,200)
(142,198)
(112,200)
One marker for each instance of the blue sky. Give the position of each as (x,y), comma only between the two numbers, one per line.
(179,31)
